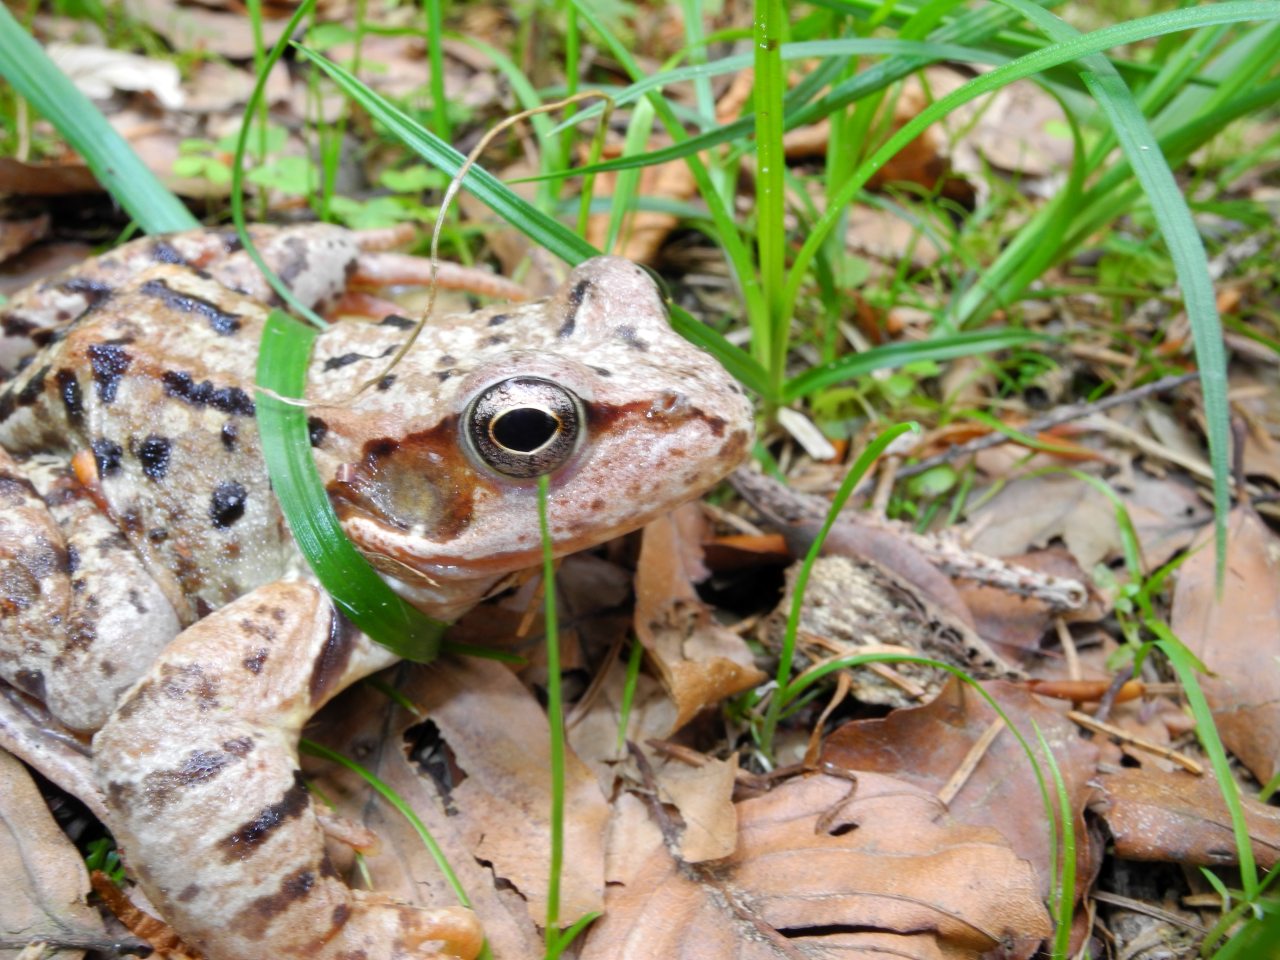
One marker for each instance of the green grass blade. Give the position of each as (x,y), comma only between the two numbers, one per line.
(120,171)
(771,162)
(1182,240)
(781,695)
(896,354)
(354,585)
(1233,11)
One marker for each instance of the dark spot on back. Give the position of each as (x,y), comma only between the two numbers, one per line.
(94,291)
(601,371)
(153,454)
(162,251)
(496,340)
(498,319)
(226,506)
(399,322)
(335,363)
(385,382)
(31,392)
(575,298)
(226,399)
(230,434)
(72,401)
(108,361)
(220,321)
(106,454)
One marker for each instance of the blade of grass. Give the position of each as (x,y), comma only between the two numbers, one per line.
(555,721)
(786,656)
(1181,238)
(120,171)
(896,354)
(355,587)
(770,341)
(538,226)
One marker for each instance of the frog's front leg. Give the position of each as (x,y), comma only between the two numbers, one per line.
(199,767)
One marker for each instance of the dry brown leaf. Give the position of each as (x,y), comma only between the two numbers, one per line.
(700,662)
(828,868)
(45,179)
(17,235)
(704,797)
(45,880)
(197,28)
(365,725)
(499,736)
(926,745)
(1177,817)
(1031,512)
(1236,637)
(645,230)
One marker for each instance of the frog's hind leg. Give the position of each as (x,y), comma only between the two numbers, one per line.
(80,619)
(199,766)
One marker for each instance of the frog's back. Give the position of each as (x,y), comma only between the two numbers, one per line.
(155,381)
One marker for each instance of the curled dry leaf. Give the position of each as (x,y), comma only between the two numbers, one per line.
(99,72)
(700,662)
(45,879)
(1235,636)
(1154,815)
(927,745)
(826,867)
(853,605)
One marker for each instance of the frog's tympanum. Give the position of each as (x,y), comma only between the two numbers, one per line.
(149,588)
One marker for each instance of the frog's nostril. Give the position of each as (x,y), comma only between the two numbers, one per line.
(669,402)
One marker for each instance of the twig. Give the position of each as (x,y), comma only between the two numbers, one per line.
(970,761)
(1168,753)
(1065,414)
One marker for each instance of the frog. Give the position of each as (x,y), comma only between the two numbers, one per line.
(153,599)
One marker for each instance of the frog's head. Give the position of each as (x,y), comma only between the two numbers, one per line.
(435,476)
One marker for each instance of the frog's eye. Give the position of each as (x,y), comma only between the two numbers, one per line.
(524,426)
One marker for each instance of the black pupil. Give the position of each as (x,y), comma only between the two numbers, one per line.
(524,429)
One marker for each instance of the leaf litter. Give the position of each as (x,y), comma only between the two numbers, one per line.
(924,832)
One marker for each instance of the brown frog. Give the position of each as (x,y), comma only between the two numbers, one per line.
(149,587)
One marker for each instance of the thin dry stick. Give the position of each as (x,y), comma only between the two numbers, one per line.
(1069,652)
(1053,418)
(971,761)
(1146,746)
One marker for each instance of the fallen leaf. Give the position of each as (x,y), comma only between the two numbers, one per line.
(854,606)
(498,733)
(17,235)
(45,879)
(1235,636)
(1181,818)
(700,662)
(704,797)
(367,726)
(828,868)
(926,745)
(98,72)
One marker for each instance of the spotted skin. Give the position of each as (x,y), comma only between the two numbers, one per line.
(149,588)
